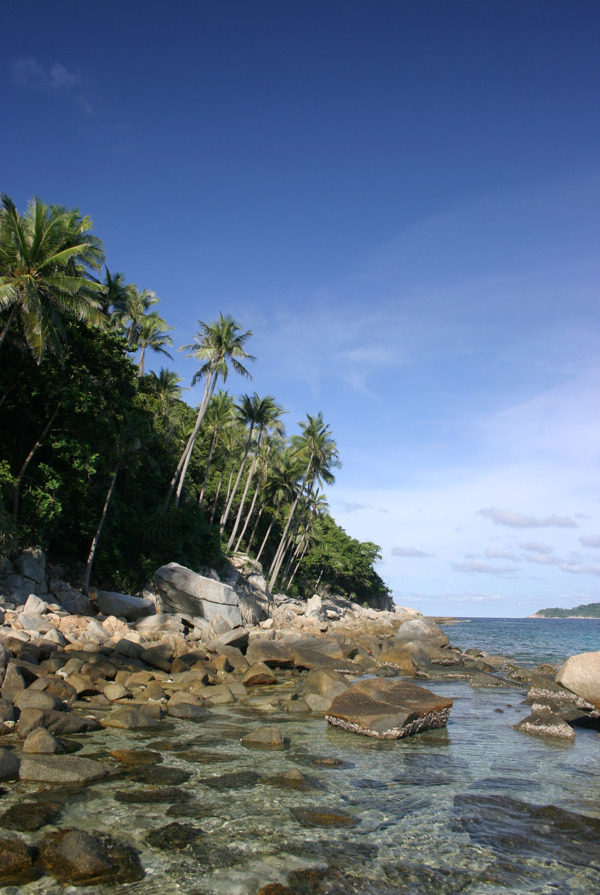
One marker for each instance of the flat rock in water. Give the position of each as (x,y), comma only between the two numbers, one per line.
(546,723)
(388,709)
(79,858)
(61,769)
(263,738)
(129,719)
(16,862)
(9,764)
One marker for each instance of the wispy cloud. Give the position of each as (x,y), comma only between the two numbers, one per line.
(493,553)
(483,568)
(590,541)
(410,552)
(351,507)
(536,547)
(519,520)
(581,570)
(29,74)
(543,559)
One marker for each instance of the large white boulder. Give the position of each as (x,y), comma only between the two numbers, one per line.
(124,605)
(581,675)
(184,592)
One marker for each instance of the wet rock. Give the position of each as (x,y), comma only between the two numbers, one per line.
(187,711)
(114,691)
(263,738)
(546,723)
(276,889)
(292,780)
(175,837)
(161,776)
(61,769)
(42,742)
(137,757)
(321,817)
(75,857)
(420,630)
(236,780)
(153,795)
(388,709)
(9,764)
(58,723)
(258,675)
(29,816)
(511,827)
(581,675)
(16,862)
(130,719)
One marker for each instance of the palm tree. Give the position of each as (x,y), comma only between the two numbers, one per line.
(280,487)
(220,416)
(152,333)
(216,346)
(319,451)
(46,261)
(315,505)
(166,390)
(261,414)
(134,310)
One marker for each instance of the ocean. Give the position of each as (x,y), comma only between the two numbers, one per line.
(476,808)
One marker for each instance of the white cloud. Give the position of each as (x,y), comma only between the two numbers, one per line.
(590,541)
(542,559)
(492,553)
(518,520)
(581,570)
(482,568)
(536,547)
(410,552)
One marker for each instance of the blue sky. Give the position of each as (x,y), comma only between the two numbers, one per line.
(400,199)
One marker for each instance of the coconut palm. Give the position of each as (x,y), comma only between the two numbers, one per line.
(220,416)
(153,334)
(47,257)
(216,346)
(281,486)
(260,414)
(318,450)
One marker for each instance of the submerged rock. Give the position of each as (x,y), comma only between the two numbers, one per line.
(321,817)
(546,723)
(263,738)
(30,816)
(388,709)
(16,862)
(61,769)
(75,857)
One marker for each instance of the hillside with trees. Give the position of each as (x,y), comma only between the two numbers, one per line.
(104,464)
(587,610)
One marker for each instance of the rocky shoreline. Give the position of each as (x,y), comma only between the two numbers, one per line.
(72,669)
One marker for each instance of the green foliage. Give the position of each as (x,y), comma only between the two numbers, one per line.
(586,610)
(89,444)
(342,564)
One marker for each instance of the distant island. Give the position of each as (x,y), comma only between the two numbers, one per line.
(587,610)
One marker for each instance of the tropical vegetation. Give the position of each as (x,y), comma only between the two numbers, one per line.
(104,463)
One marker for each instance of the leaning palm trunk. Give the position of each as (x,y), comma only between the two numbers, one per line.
(88,569)
(244,496)
(293,553)
(248,517)
(271,523)
(276,564)
(232,493)
(297,566)
(255,527)
(214,506)
(184,460)
(208,462)
(28,459)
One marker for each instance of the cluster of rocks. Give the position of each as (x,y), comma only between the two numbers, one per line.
(71,665)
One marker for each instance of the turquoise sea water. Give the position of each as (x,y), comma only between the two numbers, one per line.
(476,808)
(529,641)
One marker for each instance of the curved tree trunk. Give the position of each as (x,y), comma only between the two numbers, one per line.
(179,476)
(210,455)
(276,564)
(88,569)
(231,495)
(244,495)
(28,459)
(214,507)
(248,517)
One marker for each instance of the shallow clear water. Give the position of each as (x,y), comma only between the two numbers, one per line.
(442,812)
